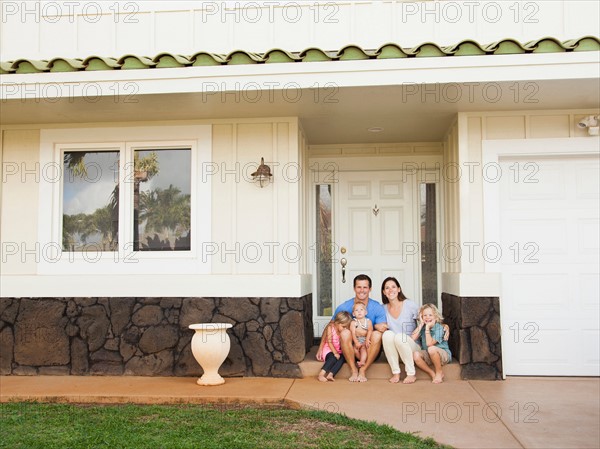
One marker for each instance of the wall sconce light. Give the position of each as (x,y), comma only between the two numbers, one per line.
(591,123)
(262,175)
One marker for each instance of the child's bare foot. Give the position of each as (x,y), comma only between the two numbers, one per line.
(330,377)
(395,378)
(438,379)
(322,378)
(410,379)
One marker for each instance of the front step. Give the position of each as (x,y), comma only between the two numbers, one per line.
(310,367)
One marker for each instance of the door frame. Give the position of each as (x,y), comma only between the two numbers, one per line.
(325,169)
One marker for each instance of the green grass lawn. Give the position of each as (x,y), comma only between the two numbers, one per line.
(34,425)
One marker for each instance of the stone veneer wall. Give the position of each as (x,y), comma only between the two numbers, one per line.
(475,335)
(150,336)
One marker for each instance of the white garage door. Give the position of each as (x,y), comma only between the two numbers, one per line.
(549,234)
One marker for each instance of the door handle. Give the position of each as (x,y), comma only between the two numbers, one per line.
(343,263)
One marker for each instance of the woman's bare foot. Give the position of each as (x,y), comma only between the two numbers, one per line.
(410,379)
(322,378)
(353,377)
(438,379)
(395,378)
(330,377)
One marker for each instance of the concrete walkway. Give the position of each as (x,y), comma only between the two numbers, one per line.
(520,412)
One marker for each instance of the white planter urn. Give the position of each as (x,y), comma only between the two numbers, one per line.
(210,346)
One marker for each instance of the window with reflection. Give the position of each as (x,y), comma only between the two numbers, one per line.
(90,201)
(158,196)
(161,200)
(324,250)
(429,243)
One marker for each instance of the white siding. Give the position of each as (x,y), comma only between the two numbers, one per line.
(33,29)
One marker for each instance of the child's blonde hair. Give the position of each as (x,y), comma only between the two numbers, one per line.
(436,313)
(343,318)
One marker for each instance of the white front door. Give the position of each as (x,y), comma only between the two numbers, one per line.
(376,224)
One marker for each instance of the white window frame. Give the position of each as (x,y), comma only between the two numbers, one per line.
(53,144)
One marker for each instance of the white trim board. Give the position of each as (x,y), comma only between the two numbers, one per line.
(269,77)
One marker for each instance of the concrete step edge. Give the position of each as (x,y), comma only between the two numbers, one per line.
(310,367)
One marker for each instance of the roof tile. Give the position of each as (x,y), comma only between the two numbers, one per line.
(350,52)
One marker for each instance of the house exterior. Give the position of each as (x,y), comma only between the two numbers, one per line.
(450,144)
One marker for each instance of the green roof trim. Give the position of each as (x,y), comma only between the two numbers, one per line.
(352,53)
(546,45)
(99,63)
(133,62)
(243,57)
(6,68)
(167,60)
(30,66)
(65,65)
(586,44)
(314,55)
(507,47)
(428,50)
(466,48)
(390,50)
(277,55)
(203,58)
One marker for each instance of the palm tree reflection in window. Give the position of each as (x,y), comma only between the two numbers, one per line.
(162,202)
(90,224)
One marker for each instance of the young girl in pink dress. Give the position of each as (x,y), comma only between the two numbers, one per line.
(332,350)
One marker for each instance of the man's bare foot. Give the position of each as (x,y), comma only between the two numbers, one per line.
(322,378)
(438,379)
(330,377)
(410,379)
(353,377)
(362,376)
(395,378)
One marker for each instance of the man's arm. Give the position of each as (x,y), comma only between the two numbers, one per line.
(369,333)
(380,320)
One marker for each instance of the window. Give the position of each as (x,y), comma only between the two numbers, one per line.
(90,215)
(429,265)
(324,250)
(125,200)
(161,200)
(159,185)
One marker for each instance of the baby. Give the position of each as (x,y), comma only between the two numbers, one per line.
(361,329)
